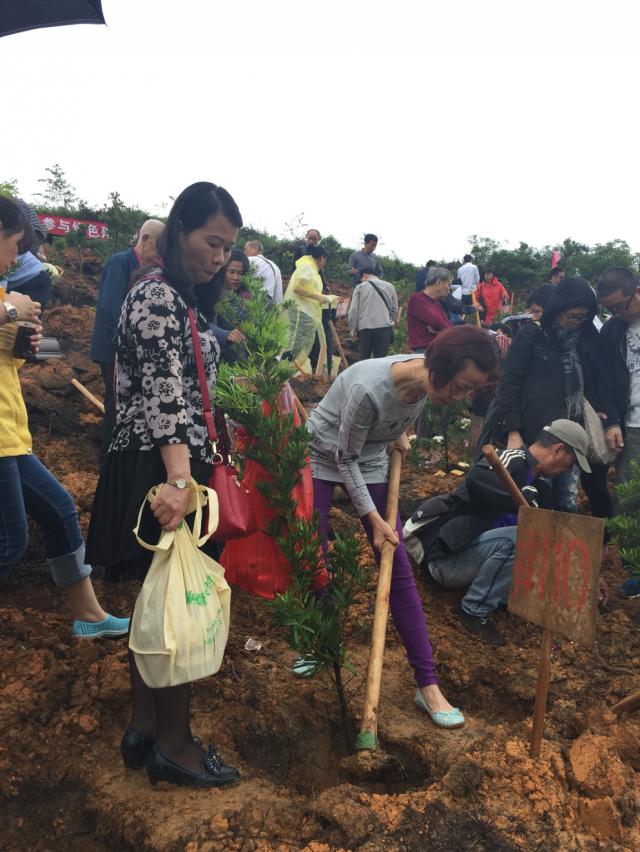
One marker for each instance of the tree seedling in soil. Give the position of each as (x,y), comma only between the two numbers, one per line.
(315,622)
(625,524)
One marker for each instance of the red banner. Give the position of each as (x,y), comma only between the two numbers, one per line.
(60,226)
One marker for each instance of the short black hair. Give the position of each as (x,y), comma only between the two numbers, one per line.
(315,251)
(489,270)
(467,258)
(618,278)
(370,238)
(555,271)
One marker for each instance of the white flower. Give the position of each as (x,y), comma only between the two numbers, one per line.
(151,407)
(437,439)
(167,388)
(138,311)
(164,424)
(465,422)
(153,326)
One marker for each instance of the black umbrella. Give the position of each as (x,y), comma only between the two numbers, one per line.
(19,15)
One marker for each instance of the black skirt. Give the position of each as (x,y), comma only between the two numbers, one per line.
(125,480)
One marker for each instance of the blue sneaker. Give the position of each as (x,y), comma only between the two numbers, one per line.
(109,626)
(631,587)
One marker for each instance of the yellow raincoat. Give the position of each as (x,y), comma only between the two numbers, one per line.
(305,316)
(15,439)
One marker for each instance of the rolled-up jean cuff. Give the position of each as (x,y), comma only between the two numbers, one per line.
(69,569)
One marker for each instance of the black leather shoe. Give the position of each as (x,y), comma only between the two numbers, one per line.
(215,773)
(134,748)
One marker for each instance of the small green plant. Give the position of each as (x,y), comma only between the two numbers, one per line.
(314,622)
(625,525)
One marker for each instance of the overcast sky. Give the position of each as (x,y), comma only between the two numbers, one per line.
(422,122)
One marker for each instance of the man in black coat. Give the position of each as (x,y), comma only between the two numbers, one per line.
(468,538)
(619,293)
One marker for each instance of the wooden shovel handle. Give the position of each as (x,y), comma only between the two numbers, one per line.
(334,334)
(628,704)
(87,393)
(369,724)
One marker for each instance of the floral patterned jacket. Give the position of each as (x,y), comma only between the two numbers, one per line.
(158,398)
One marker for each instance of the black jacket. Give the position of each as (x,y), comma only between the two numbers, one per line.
(616,379)
(452,521)
(531,391)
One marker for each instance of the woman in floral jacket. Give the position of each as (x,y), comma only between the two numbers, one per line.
(160,437)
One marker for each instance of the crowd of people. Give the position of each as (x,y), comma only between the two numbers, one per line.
(531,379)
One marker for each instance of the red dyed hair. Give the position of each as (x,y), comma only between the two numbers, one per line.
(449,353)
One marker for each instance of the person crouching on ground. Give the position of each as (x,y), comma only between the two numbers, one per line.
(368,409)
(468,538)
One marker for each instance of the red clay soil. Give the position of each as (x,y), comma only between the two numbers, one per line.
(64,705)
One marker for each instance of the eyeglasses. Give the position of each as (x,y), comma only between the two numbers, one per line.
(622,308)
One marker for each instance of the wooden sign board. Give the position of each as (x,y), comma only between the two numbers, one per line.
(556,571)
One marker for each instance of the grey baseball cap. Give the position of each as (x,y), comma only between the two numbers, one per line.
(574,436)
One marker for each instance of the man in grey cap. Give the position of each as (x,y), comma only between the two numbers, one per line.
(468,538)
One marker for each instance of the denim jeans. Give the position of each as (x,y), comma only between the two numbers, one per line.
(28,488)
(485,566)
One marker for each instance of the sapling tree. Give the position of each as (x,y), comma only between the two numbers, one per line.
(625,525)
(314,620)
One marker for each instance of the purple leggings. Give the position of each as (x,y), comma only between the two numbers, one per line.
(406,606)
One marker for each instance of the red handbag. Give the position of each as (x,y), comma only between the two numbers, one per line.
(236,516)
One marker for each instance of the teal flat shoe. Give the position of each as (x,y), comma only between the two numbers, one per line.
(109,626)
(305,667)
(441,718)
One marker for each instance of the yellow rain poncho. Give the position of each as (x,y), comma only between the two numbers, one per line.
(305,315)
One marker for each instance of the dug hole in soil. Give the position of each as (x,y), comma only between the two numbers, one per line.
(64,704)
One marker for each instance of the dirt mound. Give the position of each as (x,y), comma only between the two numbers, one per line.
(65,704)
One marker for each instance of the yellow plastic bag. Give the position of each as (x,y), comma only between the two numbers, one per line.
(180,623)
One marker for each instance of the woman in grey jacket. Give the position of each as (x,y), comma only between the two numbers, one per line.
(369,407)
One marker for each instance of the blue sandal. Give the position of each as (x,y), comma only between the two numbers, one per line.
(109,626)
(441,718)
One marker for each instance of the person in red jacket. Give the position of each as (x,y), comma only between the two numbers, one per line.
(492,296)
(426,315)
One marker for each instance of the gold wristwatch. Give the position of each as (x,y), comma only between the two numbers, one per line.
(180,484)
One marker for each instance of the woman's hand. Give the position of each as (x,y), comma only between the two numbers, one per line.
(381,531)
(515,441)
(614,439)
(28,310)
(170,506)
(235,336)
(402,443)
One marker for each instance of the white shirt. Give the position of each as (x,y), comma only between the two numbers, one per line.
(469,278)
(270,274)
(633,365)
